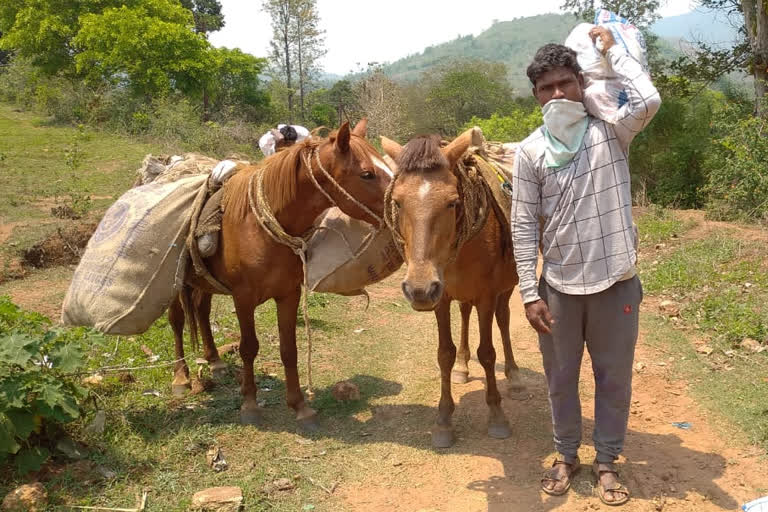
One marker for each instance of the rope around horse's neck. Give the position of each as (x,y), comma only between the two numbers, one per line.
(474,204)
(267,220)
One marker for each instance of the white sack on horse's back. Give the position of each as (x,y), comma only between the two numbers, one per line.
(331,266)
(127,275)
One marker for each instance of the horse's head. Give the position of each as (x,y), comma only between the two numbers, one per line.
(427,205)
(358,169)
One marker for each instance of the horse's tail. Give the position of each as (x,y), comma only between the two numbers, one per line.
(189,305)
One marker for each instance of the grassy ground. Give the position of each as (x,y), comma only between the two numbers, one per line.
(718,275)
(159,443)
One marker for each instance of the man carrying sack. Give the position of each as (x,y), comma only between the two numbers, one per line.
(572,173)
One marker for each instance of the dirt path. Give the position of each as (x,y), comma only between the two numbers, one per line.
(666,468)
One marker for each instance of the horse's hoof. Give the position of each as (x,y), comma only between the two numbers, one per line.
(499,430)
(250,416)
(219,369)
(459,377)
(442,437)
(179,390)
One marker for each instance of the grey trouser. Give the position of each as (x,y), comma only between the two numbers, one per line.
(608,323)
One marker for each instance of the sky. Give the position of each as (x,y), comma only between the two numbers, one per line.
(359,32)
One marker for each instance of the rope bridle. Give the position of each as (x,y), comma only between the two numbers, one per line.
(473,198)
(267,220)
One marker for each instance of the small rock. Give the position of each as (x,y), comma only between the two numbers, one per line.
(229,348)
(704,349)
(281,484)
(150,392)
(345,390)
(70,448)
(218,499)
(27,498)
(201,385)
(751,345)
(670,308)
(660,246)
(215,458)
(639,366)
(98,423)
(93,380)
(358,331)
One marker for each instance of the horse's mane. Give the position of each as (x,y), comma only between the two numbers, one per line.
(422,153)
(281,175)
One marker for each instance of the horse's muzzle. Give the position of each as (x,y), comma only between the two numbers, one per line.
(423,297)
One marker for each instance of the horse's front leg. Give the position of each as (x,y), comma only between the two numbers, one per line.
(498,427)
(442,433)
(250,412)
(460,374)
(211,354)
(515,387)
(176,317)
(287,307)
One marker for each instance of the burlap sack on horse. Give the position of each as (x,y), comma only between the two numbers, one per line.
(331,265)
(129,272)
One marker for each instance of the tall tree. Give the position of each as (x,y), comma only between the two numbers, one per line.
(297,44)
(207,14)
(343,98)
(282,44)
(749,54)
(309,46)
(382,101)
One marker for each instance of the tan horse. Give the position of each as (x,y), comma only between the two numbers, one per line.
(256,268)
(429,206)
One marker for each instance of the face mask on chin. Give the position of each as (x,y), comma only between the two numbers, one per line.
(565,124)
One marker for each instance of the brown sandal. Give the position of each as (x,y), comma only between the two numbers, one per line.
(548,477)
(617,488)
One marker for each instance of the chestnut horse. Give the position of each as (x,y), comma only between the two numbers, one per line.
(428,210)
(255,267)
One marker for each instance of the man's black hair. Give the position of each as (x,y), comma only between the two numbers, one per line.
(552,56)
(289,133)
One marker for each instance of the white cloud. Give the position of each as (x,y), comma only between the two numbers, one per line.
(364,31)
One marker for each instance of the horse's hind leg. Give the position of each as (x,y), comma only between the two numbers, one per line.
(498,426)
(460,373)
(287,307)
(515,387)
(211,354)
(250,412)
(176,318)
(442,432)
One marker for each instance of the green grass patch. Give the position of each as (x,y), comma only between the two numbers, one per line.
(659,224)
(721,284)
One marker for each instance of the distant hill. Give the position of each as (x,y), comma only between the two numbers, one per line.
(511,42)
(699,25)
(514,43)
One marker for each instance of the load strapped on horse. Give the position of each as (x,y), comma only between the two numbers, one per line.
(137,259)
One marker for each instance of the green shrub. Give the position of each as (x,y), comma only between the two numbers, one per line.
(37,390)
(512,128)
(737,184)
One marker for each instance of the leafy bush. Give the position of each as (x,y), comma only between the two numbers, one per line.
(512,128)
(737,184)
(37,392)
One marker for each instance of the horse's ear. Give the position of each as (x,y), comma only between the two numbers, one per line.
(459,145)
(342,138)
(361,128)
(391,148)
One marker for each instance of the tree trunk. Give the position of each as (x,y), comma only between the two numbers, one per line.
(206,101)
(756,23)
(288,78)
(299,56)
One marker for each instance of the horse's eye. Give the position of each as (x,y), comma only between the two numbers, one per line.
(453,204)
(368,175)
